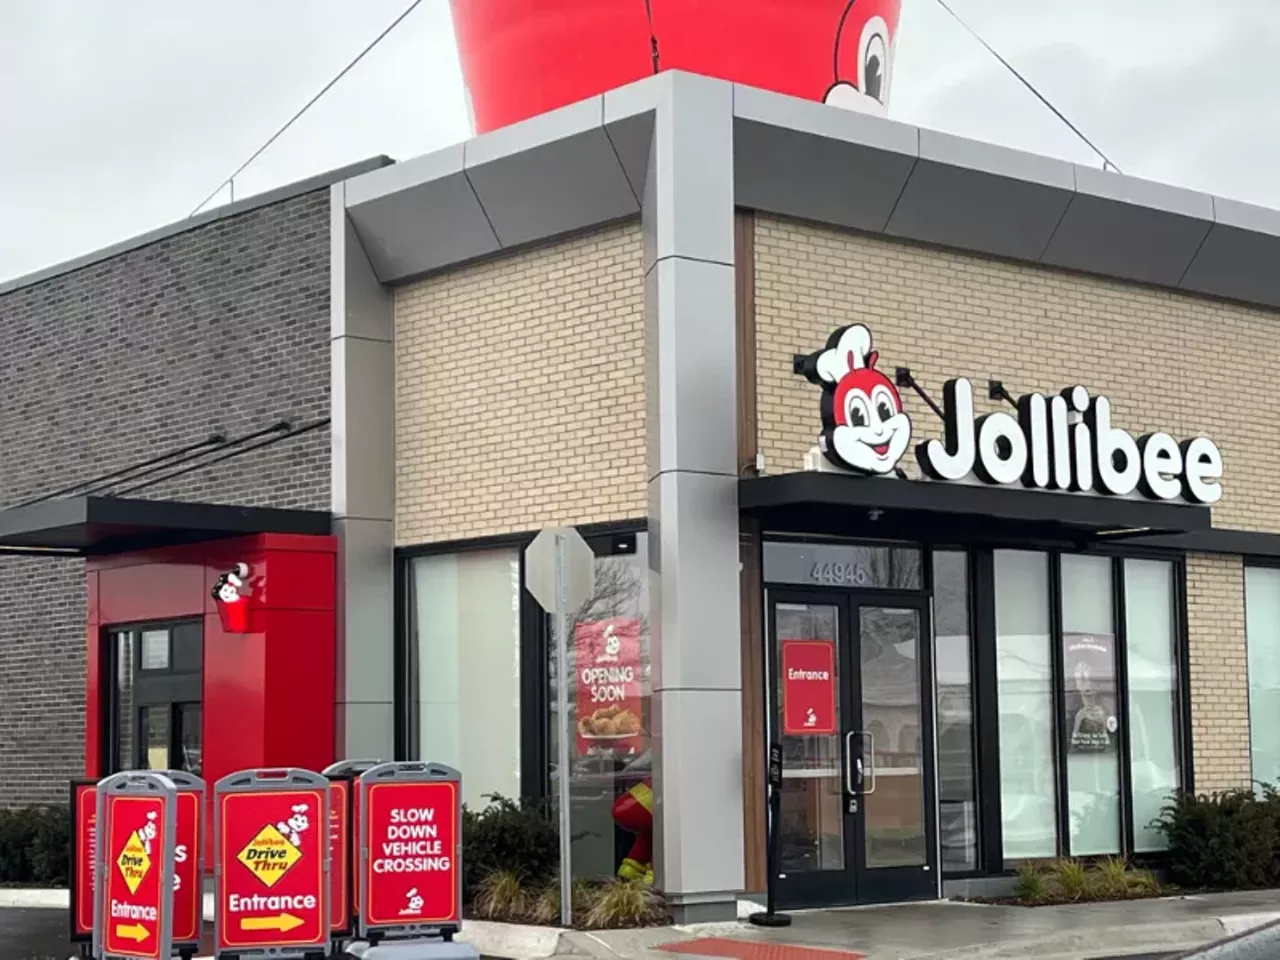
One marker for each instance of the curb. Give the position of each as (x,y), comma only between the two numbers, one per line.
(507,941)
(35,899)
(1132,938)
(511,941)
(518,941)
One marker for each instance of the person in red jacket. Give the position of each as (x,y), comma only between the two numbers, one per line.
(633,812)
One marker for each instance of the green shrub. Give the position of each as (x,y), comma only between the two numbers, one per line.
(624,903)
(1112,877)
(507,835)
(1070,877)
(1222,841)
(546,902)
(16,832)
(50,851)
(35,846)
(501,895)
(1030,885)
(1143,882)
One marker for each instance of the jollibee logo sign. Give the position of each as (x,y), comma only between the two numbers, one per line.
(411,830)
(1065,442)
(864,426)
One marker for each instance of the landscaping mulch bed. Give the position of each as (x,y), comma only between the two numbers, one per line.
(1053,900)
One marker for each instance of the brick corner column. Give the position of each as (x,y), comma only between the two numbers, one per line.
(1219,681)
(362,458)
(691,391)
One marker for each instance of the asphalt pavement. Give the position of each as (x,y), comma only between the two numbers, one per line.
(33,934)
(41,934)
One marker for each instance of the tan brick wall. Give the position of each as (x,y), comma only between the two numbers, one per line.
(520,391)
(1219,671)
(1183,364)
(1178,363)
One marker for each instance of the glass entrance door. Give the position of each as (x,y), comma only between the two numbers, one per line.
(851,708)
(892,755)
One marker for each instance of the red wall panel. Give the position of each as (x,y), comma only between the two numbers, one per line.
(297,665)
(268,694)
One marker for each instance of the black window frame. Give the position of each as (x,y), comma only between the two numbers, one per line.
(980,562)
(989,730)
(535,632)
(1265,563)
(605,539)
(150,688)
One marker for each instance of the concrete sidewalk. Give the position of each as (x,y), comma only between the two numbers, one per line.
(961,931)
(928,931)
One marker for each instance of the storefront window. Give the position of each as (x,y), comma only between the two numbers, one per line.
(609,701)
(1025,689)
(1262,633)
(957,776)
(1151,645)
(467,632)
(1090,706)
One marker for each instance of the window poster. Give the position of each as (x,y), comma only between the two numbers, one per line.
(609,685)
(1089,676)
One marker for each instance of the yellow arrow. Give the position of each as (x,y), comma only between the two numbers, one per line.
(132,931)
(283,922)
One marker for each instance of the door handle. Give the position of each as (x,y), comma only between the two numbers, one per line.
(871,762)
(849,759)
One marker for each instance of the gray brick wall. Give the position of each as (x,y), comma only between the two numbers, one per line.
(224,329)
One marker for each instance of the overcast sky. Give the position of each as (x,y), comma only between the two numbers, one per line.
(117,117)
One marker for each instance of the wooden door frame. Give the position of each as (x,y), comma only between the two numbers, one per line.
(751,586)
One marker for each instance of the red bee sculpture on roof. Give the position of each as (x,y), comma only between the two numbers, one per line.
(863,55)
(525,57)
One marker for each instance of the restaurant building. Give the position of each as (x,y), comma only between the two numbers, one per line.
(945,466)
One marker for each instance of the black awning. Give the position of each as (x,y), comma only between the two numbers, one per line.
(814,501)
(94,526)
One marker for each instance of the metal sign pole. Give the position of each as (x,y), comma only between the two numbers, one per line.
(559,572)
(562,699)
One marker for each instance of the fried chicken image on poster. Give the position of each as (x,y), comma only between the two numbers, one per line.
(1089,673)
